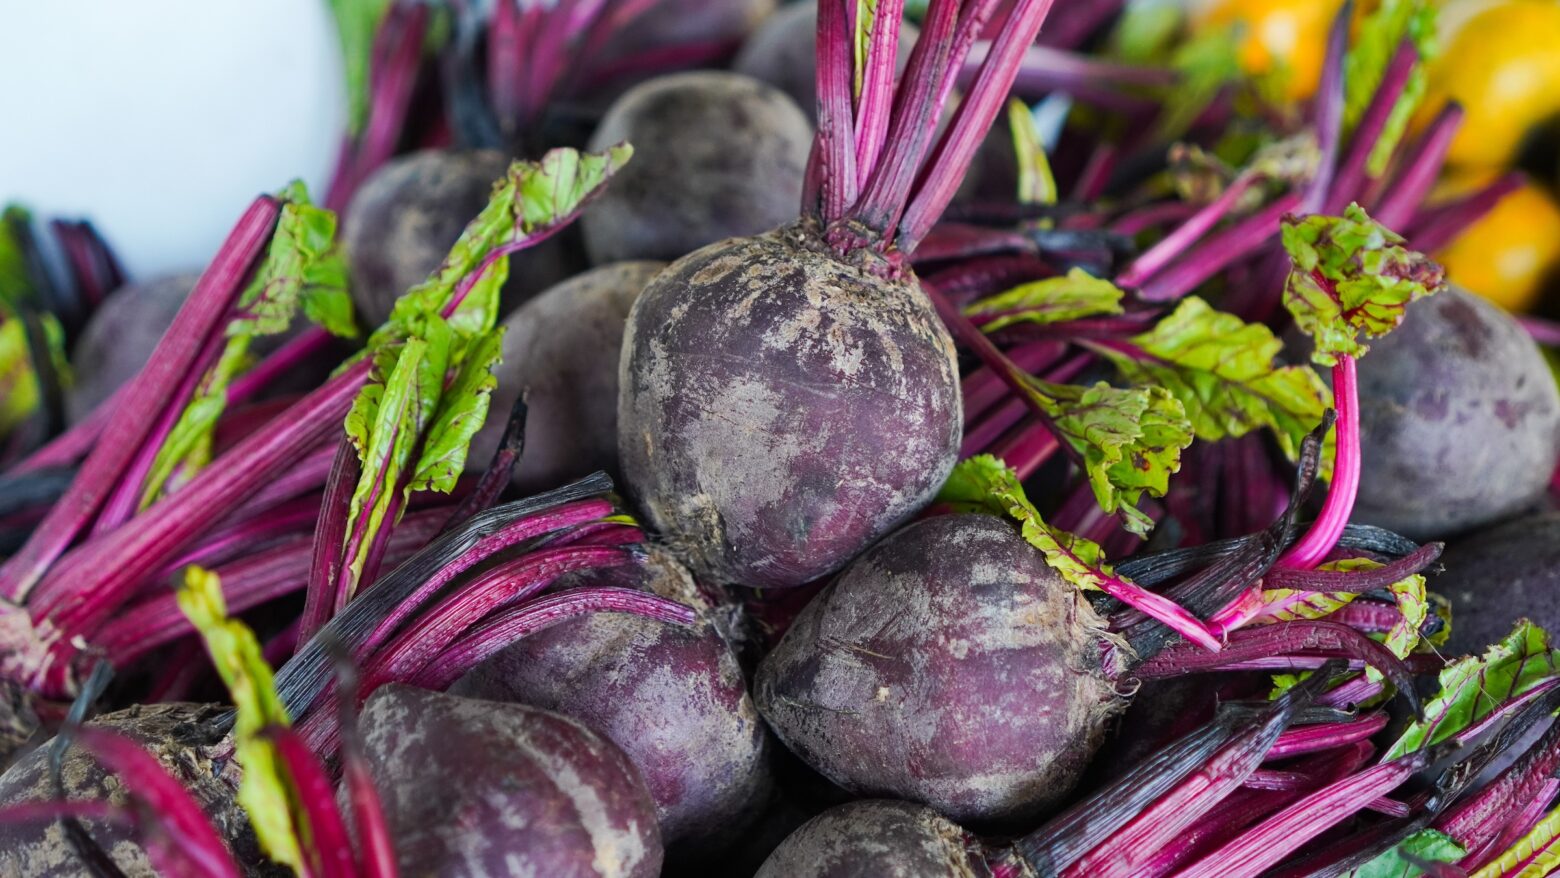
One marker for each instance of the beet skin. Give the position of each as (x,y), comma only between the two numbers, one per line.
(478,788)
(877,839)
(948,665)
(1494,575)
(780,408)
(120,337)
(561,349)
(672,697)
(1459,419)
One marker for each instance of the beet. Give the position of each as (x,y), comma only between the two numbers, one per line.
(1493,575)
(180,736)
(782,52)
(672,697)
(405,217)
(562,349)
(119,338)
(717,155)
(781,408)
(480,788)
(1459,419)
(876,839)
(948,665)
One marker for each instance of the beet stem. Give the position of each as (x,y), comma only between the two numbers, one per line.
(1314,547)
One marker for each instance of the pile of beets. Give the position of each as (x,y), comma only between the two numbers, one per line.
(707,437)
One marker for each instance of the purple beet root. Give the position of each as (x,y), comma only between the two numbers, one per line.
(781,408)
(179,736)
(1459,420)
(672,697)
(1495,574)
(877,839)
(119,339)
(562,350)
(478,788)
(784,53)
(948,665)
(403,220)
(716,155)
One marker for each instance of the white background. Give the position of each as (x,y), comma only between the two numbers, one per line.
(161,119)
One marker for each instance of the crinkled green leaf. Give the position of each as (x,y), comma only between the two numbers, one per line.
(532,200)
(1366,65)
(1036,183)
(1071,296)
(1130,440)
(462,410)
(1222,370)
(1351,278)
(1473,686)
(303,267)
(984,484)
(1426,845)
(1286,604)
(264,790)
(356,23)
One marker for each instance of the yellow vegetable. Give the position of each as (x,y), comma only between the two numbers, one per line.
(1283,35)
(1506,256)
(1501,61)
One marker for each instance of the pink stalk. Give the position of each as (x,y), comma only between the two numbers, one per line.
(1281,834)
(984,387)
(1153,216)
(975,278)
(1438,227)
(1313,739)
(420,642)
(1512,705)
(1483,813)
(236,539)
(1218,251)
(131,422)
(1545,332)
(397,52)
(508,626)
(1310,639)
(1355,581)
(835,144)
(194,848)
(875,106)
(306,477)
(376,848)
(1314,547)
(973,120)
(1516,829)
(1420,170)
(505,60)
(1349,183)
(327,848)
(1327,109)
(1174,244)
(985,432)
(1029,450)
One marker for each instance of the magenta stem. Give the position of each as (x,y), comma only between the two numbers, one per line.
(1314,547)
(1314,739)
(1218,251)
(875,104)
(1174,244)
(1420,170)
(1435,229)
(835,142)
(280,362)
(330,533)
(1350,181)
(1327,109)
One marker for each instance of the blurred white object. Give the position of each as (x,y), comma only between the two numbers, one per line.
(159,120)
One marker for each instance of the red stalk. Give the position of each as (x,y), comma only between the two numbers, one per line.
(875,104)
(1420,170)
(1327,110)
(984,387)
(1350,181)
(1218,251)
(327,848)
(1174,244)
(1281,834)
(75,443)
(1312,739)
(245,535)
(1314,547)
(131,422)
(1441,226)
(1310,639)
(296,350)
(835,142)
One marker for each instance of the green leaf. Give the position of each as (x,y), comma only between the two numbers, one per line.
(533,200)
(1130,440)
(462,410)
(1366,63)
(356,23)
(20,394)
(16,286)
(984,484)
(1052,300)
(1222,371)
(1351,278)
(1426,845)
(1036,183)
(1206,63)
(303,267)
(1474,686)
(1146,30)
(1287,604)
(866,15)
(264,791)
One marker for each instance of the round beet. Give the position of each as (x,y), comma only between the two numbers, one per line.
(561,349)
(783,53)
(781,408)
(877,839)
(716,155)
(948,665)
(1459,419)
(672,697)
(405,217)
(180,736)
(1495,575)
(119,339)
(478,788)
